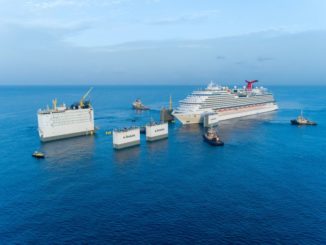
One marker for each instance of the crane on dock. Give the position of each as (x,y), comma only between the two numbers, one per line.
(82,100)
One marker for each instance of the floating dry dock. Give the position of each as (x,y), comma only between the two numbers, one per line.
(156,131)
(62,122)
(126,137)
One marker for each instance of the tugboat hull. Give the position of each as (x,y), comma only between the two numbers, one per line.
(295,122)
(213,142)
(140,108)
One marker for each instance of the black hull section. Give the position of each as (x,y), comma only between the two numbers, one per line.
(295,122)
(213,142)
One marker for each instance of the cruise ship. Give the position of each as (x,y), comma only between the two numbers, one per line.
(61,122)
(225,102)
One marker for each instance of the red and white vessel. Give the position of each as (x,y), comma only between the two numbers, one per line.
(226,102)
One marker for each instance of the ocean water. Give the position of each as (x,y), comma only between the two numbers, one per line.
(266,185)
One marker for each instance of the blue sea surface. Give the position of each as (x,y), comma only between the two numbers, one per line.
(266,185)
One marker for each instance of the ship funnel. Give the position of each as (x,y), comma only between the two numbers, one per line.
(249,84)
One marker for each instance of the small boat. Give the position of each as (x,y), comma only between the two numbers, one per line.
(38,154)
(302,121)
(212,138)
(138,105)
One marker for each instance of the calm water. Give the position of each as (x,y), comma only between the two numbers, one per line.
(266,185)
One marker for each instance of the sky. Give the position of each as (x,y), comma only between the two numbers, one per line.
(162,41)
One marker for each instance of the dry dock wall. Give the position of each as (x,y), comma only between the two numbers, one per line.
(126,138)
(210,120)
(157,131)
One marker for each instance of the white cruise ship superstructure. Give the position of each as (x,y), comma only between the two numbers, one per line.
(225,102)
(62,122)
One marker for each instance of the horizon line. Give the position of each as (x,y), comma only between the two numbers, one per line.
(147,84)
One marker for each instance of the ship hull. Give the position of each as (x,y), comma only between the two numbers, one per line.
(187,118)
(249,112)
(226,114)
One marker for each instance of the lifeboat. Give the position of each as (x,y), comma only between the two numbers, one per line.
(38,154)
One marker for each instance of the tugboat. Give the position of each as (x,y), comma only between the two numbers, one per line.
(212,138)
(302,121)
(138,105)
(38,154)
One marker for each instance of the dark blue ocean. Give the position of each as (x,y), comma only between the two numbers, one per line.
(266,185)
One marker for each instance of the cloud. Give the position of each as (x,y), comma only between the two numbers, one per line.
(192,45)
(42,58)
(47,5)
(240,62)
(263,59)
(44,5)
(196,16)
(220,57)
(51,26)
